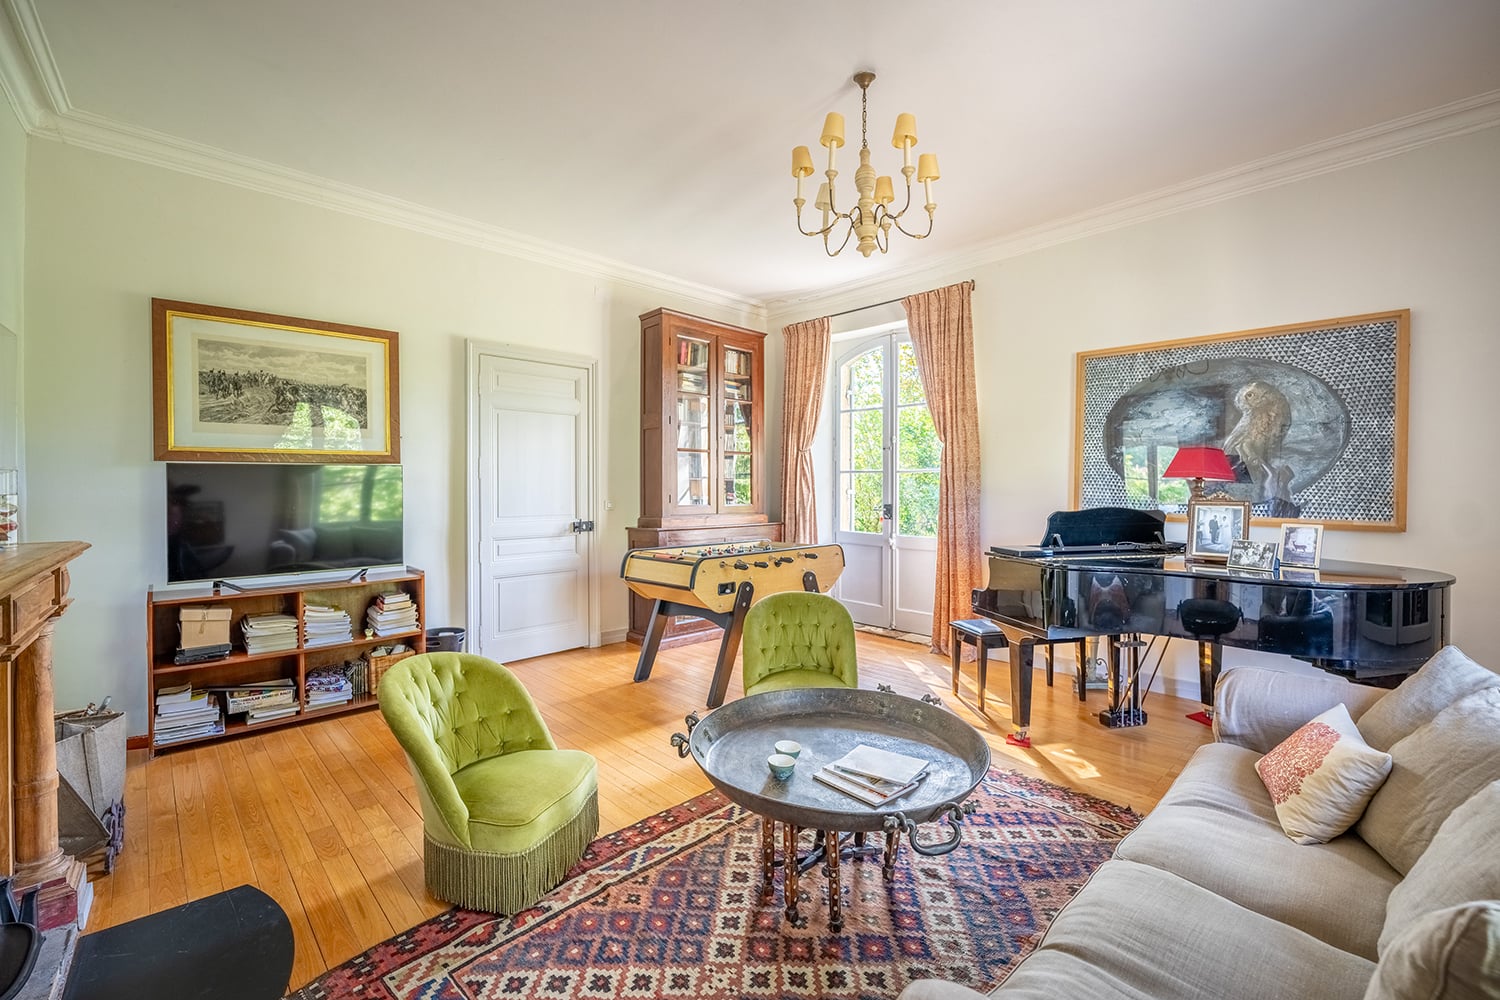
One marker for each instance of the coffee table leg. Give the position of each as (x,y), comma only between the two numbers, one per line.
(892,846)
(835,891)
(789,873)
(767,860)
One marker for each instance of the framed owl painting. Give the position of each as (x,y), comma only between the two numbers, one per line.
(1312,417)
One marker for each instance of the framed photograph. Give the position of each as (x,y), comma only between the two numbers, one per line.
(1299,575)
(1312,417)
(1214,526)
(230,385)
(1301,544)
(1257,556)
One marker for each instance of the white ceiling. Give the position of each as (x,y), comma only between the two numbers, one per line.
(658,133)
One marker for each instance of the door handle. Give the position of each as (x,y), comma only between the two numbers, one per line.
(581,526)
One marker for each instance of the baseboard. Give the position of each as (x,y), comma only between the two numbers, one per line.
(141,742)
(609,637)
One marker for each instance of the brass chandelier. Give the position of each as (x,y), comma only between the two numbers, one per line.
(870,218)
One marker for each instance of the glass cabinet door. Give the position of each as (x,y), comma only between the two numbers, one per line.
(738,444)
(693,412)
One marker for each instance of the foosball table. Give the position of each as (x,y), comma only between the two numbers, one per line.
(720,583)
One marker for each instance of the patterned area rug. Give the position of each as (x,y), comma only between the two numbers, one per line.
(670,908)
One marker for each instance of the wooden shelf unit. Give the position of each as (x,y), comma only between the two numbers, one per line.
(239,667)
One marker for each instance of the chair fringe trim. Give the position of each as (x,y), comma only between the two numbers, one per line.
(508,883)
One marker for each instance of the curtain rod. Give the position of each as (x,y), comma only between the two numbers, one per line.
(877,305)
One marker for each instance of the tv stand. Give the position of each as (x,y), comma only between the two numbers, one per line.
(354,595)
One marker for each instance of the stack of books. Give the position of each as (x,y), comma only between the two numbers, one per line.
(261,701)
(325,626)
(392,613)
(185,714)
(268,633)
(872,775)
(328,686)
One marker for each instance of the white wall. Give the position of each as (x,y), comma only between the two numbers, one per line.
(106,235)
(1420,230)
(12,261)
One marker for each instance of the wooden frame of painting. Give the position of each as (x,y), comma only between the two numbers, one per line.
(231,385)
(1312,416)
(1214,525)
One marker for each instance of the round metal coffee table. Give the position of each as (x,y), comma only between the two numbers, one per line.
(732,743)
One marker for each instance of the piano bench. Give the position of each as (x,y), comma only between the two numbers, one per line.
(985,635)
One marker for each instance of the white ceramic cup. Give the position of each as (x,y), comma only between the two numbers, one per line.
(789,747)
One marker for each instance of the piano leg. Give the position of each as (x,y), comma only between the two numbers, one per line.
(1210,655)
(1021,656)
(1082,677)
(652,641)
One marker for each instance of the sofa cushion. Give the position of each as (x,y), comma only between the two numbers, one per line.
(1448,676)
(1433,771)
(1142,933)
(1258,707)
(1215,828)
(1449,954)
(1321,777)
(1457,867)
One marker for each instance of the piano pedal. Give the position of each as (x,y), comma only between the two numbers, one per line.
(1018,740)
(1122,718)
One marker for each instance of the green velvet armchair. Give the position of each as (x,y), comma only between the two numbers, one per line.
(796,640)
(505,813)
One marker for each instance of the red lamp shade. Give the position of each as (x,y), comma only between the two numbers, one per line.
(1200,463)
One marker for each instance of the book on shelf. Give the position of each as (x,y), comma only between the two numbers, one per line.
(267,714)
(163,738)
(175,693)
(196,702)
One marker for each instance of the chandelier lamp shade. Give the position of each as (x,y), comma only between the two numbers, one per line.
(870,218)
(1199,464)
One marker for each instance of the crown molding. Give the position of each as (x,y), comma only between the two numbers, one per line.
(19,78)
(1377,142)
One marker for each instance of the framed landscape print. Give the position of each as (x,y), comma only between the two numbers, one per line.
(1301,544)
(1311,416)
(1213,528)
(230,385)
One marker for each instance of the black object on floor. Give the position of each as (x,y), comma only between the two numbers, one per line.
(233,945)
(20,941)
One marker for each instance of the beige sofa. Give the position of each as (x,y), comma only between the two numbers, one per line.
(1209,898)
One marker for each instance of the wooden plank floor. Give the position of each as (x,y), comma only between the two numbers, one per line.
(324,818)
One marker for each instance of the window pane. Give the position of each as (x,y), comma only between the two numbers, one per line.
(908,381)
(692,422)
(736,426)
(864,378)
(917,441)
(737,481)
(692,478)
(861,445)
(917,503)
(860,502)
(692,365)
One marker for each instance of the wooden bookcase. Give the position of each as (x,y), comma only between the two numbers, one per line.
(239,667)
(703,452)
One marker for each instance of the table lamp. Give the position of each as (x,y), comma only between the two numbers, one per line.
(1197,465)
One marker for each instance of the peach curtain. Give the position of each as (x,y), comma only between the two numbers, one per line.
(941,323)
(802,401)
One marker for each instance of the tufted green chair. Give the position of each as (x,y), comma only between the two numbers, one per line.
(796,639)
(505,813)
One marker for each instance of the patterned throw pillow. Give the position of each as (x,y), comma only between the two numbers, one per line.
(1322,776)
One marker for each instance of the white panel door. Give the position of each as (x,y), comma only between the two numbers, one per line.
(886,508)
(533,450)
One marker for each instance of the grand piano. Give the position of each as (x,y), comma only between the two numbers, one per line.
(1370,623)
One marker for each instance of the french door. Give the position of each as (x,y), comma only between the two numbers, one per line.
(885,514)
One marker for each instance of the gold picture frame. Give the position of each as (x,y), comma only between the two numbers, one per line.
(1313,417)
(232,385)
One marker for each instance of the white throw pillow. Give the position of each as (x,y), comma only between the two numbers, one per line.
(1322,776)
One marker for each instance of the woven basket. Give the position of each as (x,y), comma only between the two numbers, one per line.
(380,664)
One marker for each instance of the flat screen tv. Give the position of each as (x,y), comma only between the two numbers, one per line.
(226,521)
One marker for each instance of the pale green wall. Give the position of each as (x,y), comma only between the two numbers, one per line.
(108,234)
(1420,231)
(12,257)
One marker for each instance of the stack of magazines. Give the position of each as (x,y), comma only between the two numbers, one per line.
(325,626)
(184,714)
(328,686)
(261,701)
(392,613)
(872,775)
(268,633)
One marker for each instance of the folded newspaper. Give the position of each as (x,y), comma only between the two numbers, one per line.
(872,775)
